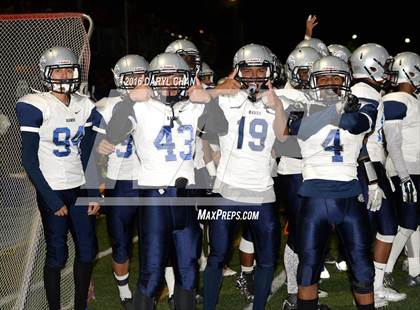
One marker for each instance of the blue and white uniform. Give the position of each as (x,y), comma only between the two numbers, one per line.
(166,156)
(386,218)
(330,144)
(55,141)
(402,130)
(244,180)
(123,170)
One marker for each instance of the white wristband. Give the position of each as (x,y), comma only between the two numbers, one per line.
(370,171)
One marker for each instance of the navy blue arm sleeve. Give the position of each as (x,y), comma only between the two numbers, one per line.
(89,162)
(310,125)
(30,161)
(120,125)
(213,120)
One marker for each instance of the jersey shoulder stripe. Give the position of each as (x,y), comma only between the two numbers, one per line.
(394,110)
(29,117)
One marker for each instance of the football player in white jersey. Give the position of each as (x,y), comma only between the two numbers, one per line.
(330,142)
(163,123)
(206,75)
(370,77)
(402,132)
(56,144)
(255,119)
(122,173)
(299,64)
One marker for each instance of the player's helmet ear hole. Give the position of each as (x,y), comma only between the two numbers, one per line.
(373,69)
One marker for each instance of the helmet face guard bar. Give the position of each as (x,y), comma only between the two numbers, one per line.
(130,80)
(154,81)
(341,90)
(246,81)
(197,59)
(390,77)
(62,85)
(296,77)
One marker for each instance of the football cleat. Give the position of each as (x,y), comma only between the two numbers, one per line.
(245,284)
(202,262)
(227,272)
(341,266)
(199,299)
(325,274)
(290,303)
(390,294)
(380,302)
(330,260)
(322,293)
(171,303)
(127,304)
(413,281)
(388,280)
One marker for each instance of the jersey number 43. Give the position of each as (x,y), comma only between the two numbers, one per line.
(164,141)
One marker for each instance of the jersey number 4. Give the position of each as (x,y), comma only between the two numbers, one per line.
(332,144)
(61,138)
(257,129)
(163,141)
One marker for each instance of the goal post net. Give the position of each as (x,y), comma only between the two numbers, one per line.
(23,38)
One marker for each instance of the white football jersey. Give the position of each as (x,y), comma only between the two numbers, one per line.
(410,129)
(246,148)
(288,165)
(375,142)
(60,133)
(165,153)
(123,163)
(330,154)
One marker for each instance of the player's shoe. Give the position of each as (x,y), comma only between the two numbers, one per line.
(390,294)
(325,274)
(171,303)
(388,280)
(127,304)
(227,272)
(202,262)
(413,281)
(380,302)
(341,266)
(245,284)
(290,303)
(199,299)
(330,260)
(322,293)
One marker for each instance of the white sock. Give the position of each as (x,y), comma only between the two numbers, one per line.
(124,289)
(246,269)
(170,280)
(291,262)
(397,246)
(379,275)
(413,253)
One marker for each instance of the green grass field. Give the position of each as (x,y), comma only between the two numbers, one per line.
(337,286)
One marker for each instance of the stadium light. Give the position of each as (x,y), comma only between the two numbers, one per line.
(180,36)
(172,34)
(407,40)
(201,31)
(354,36)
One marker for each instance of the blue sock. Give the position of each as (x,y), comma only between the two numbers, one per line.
(262,286)
(212,283)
